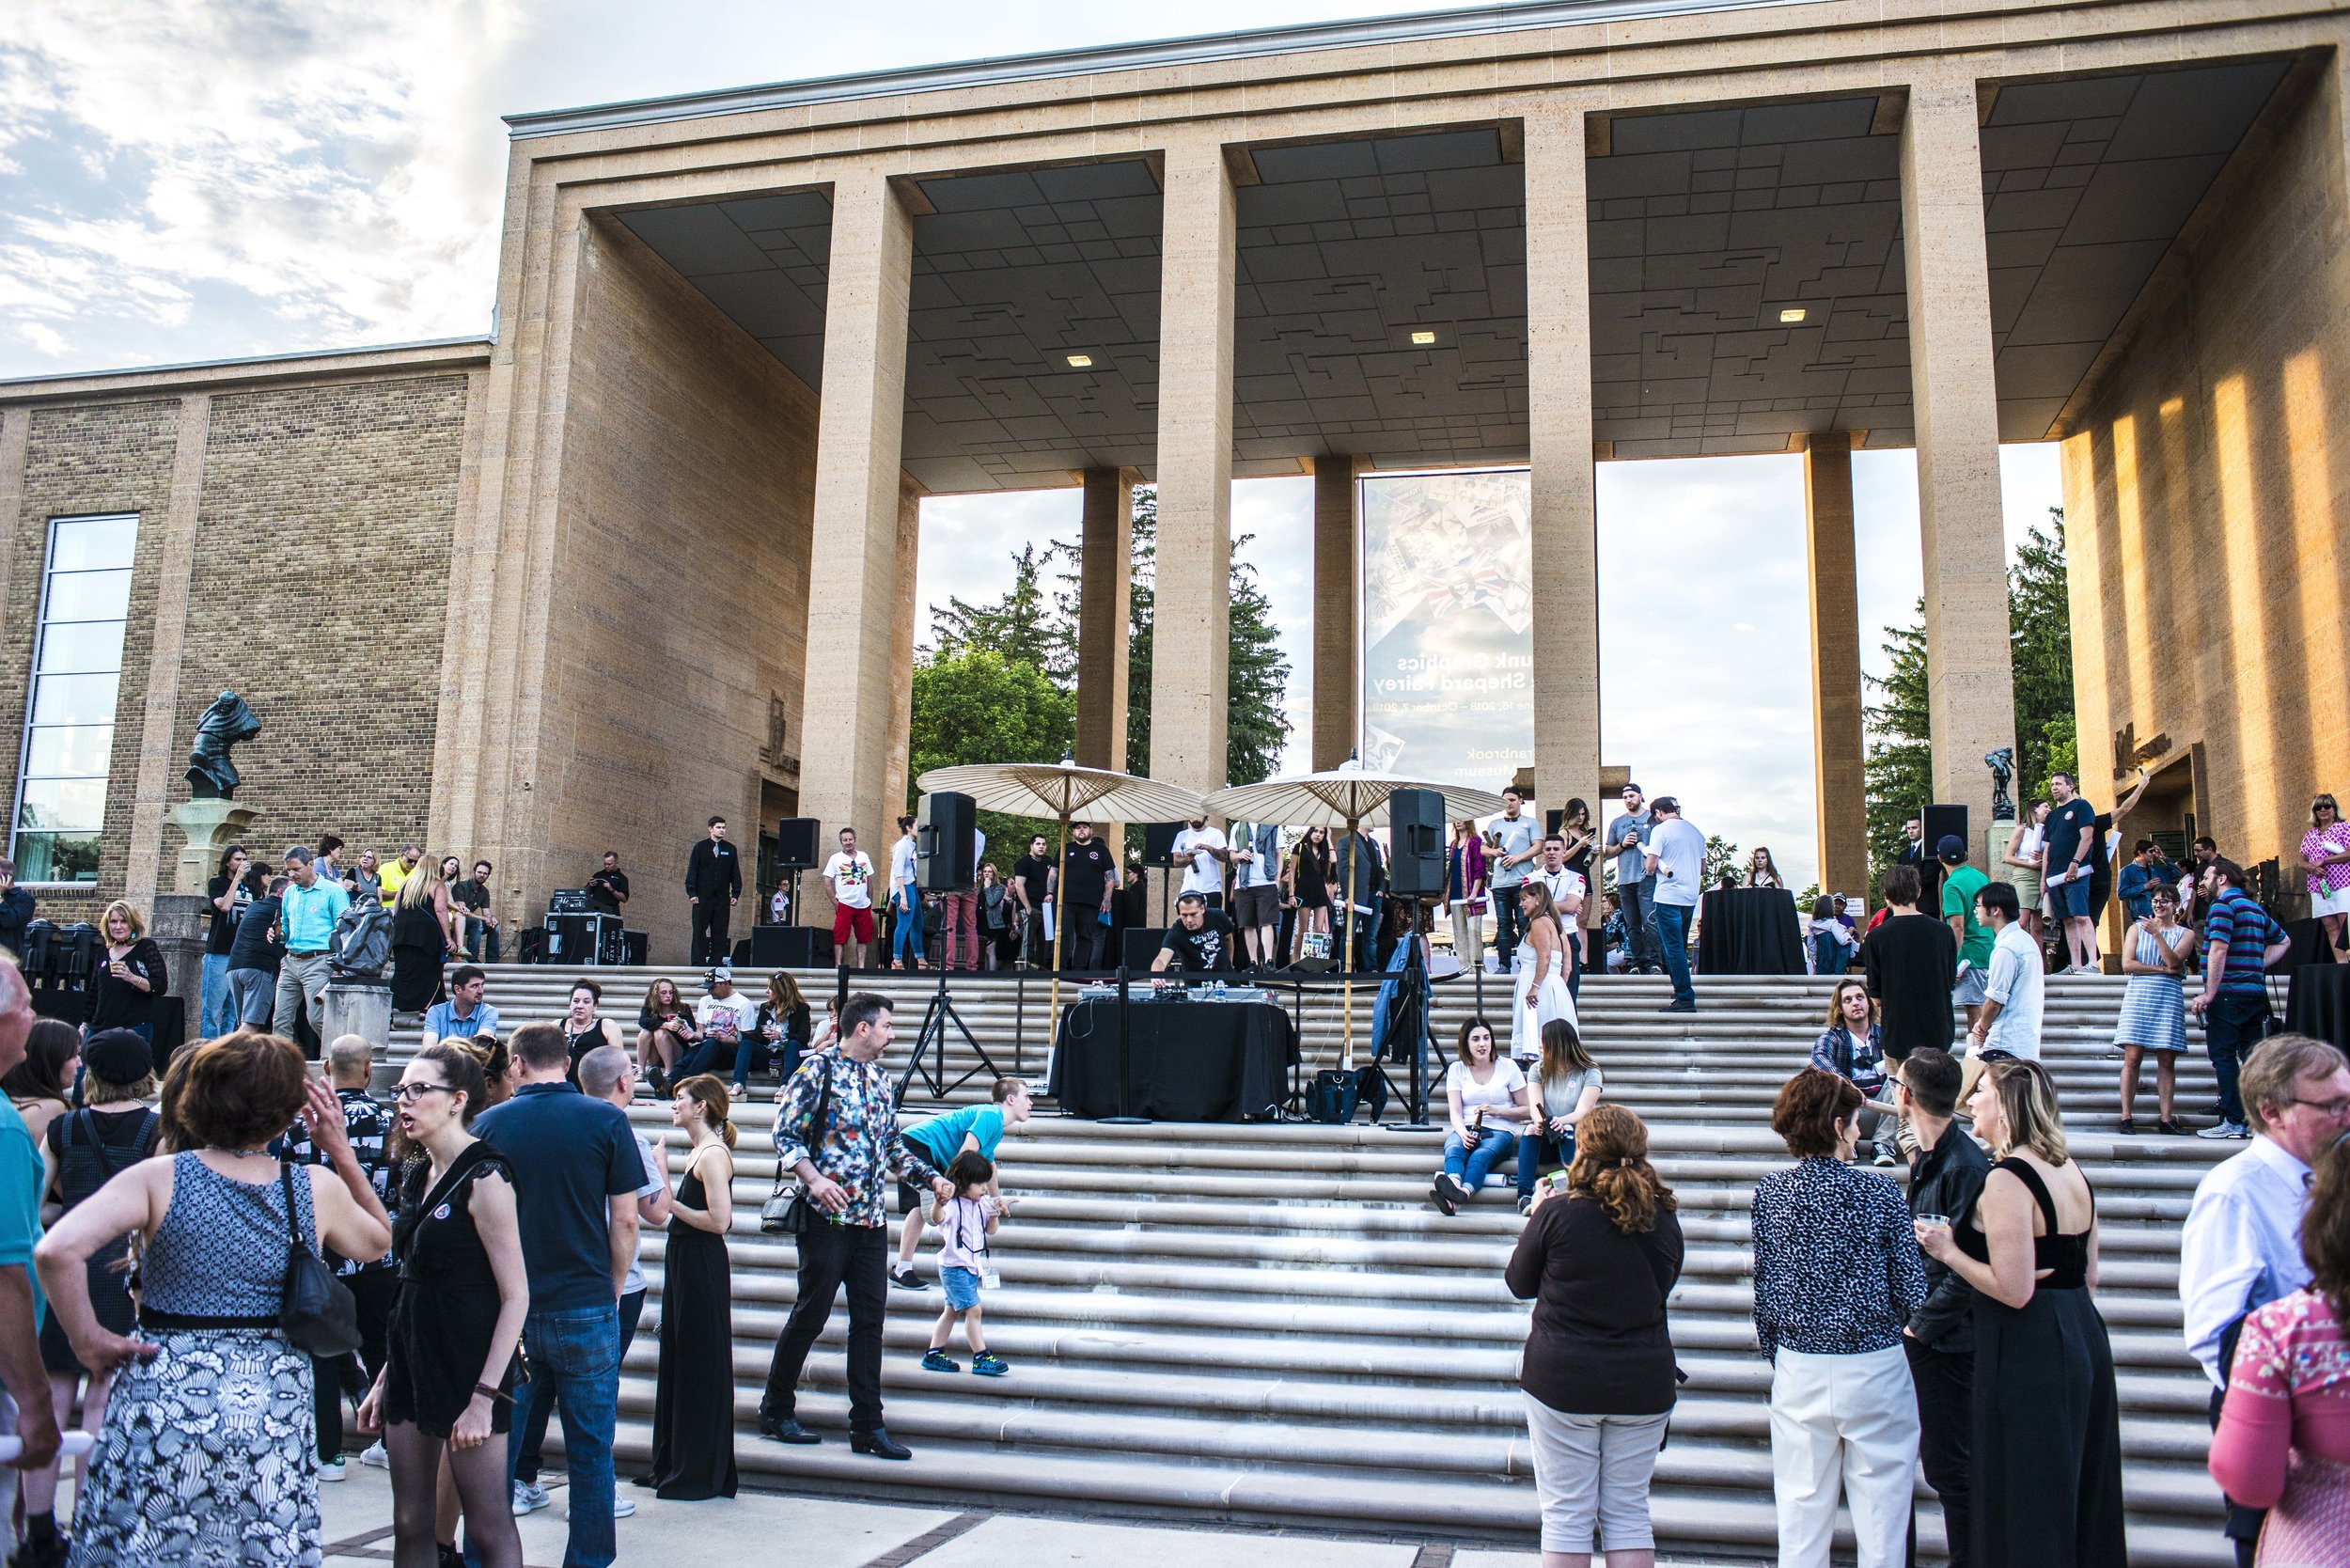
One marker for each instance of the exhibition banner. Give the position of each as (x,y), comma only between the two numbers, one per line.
(1447,625)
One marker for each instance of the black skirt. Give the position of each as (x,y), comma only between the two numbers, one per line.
(2047,1436)
(693,1409)
(447,1308)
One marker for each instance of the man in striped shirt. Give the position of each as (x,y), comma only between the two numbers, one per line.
(2243,942)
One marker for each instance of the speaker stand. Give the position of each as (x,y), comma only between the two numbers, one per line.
(932,1038)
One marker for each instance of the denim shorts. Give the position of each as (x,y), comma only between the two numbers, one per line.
(1973,987)
(962,1288)
(2069,900)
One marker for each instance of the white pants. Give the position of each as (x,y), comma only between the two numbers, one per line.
(1592,1473)
(1848,1419)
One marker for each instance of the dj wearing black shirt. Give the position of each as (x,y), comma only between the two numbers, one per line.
(1198,943)
(607,889)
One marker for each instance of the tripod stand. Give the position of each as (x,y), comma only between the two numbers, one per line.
(936,1019)
(1407,1025)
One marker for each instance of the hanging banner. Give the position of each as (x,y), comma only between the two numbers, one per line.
(1448,626)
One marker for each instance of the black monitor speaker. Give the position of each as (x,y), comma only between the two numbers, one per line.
(790,948)
(795,843)
(1415,844)
(1141,947)
(1951,821)
(945,843)
(1159,842)
(1554,822)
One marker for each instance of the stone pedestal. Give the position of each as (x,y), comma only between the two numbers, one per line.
(176,924)
(362,1008)
(210,827)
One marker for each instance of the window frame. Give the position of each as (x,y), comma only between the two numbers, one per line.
(49,574)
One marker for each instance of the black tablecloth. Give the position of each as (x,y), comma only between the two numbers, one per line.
(2319,1002)
(1749,931)
(2308,945)
(1189,1061)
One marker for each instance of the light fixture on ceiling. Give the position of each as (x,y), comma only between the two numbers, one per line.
(1790,316)
(1422,338)
(1080,361)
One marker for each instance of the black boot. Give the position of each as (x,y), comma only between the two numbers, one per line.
(879,1444)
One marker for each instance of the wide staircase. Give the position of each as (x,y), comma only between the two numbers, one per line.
(1272,1322)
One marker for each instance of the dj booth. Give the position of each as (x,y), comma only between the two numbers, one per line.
(1183,1054)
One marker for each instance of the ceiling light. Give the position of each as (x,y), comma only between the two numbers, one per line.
(1423,339)
(1792,314)
(1080,361)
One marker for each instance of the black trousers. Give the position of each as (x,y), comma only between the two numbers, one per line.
(333,1379)
(1084,937)
(709,941)
(1639,921)
(830,1255)
(1946,1416)
(1509,925)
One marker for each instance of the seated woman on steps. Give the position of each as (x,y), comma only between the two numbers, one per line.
(1489,1099)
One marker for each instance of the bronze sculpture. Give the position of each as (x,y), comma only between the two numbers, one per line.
(210,774)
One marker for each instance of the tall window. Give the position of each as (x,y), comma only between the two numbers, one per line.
(69,725)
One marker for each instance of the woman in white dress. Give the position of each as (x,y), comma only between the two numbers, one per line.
(1542,980)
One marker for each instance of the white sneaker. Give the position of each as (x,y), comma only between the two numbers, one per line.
(376,1458)
(2225,1129)
(330,1469)
(529,1498)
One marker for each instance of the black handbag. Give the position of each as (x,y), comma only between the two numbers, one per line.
(319,1313)
(788,1211)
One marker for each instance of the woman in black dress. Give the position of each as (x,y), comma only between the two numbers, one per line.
(448,1371)
(131,978)
(693,1407)
(1309,884)
(2047,1439)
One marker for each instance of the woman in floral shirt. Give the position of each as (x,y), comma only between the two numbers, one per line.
(2325,857)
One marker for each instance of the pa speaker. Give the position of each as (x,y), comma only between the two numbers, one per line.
(1142,946)
(795,843)
(1416,835)
(945,843)
(1158,844)
(790,948)
(1939,821)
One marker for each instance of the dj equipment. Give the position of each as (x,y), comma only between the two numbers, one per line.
(790,948)
(1146,989)
(945,843)
(1940,819)
(1416,831)
(588,938)
(1158,844)
(795,843)
(570,901)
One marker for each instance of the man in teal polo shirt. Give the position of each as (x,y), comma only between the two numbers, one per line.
(938,1140)
(307,915)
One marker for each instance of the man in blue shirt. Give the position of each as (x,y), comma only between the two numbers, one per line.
(464,1016)
(2243,940)
(2136,884)
(19,1227)
(938,1140)
(1628,839)
(2071,836)
(306,914)
(577,1214)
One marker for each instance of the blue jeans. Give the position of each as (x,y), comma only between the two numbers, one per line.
(1537,1153)
(575,1361)
(1469,1165)
(482,937)
(906,933)
(2235,1022)
(1672,936)
(219,1015)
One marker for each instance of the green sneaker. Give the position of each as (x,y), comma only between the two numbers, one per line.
(986,1363)
(938,1360)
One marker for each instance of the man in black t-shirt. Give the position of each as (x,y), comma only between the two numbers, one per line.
(1086,886)
(227,895)
(1031,889)
(607,889)
(1199,942)
(472,895)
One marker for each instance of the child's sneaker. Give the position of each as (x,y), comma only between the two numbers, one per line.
(986,1363)
(938,1360)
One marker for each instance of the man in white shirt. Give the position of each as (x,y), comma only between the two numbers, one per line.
(2241,1249)
(2009,1022)
(849,874)
(1566,896)
(1675,864)
(1203,847)
(726,1018)
(905,900)
(1511,842)
(1255,857)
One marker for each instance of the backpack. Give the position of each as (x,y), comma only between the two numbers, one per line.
(362,943)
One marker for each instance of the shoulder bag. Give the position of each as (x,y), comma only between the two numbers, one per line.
(788,1211)
(319,1313)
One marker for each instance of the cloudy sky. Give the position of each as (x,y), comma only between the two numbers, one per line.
(191,180)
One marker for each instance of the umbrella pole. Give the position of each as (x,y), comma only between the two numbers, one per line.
(1059,897)
(1346,947)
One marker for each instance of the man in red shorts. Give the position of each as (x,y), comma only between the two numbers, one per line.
(851,873)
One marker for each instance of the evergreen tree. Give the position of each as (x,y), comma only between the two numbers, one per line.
(977,705)
(1898,773)
(2040,632)
(1721,857)
(1025,626)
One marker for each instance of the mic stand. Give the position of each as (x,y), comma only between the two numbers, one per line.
(936,1019)
(1125,1061)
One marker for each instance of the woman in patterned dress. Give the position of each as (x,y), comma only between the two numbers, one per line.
(2283,1442)
(208,1457)
(2326,857)
(2155,952)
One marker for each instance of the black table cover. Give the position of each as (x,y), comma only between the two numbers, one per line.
(2309,946)
(1189,1061)
(1749,931)
(2319,1002)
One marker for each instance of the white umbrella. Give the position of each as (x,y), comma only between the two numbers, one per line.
(1349,796)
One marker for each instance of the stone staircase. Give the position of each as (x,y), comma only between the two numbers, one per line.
(1271,1323)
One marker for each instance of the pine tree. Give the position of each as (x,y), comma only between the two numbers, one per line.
(1898,773)
(2040,632)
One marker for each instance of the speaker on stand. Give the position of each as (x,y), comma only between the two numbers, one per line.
(795,852)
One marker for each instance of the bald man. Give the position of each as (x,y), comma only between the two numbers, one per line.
(19,1227)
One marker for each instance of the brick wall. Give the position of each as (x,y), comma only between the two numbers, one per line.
(2206,495)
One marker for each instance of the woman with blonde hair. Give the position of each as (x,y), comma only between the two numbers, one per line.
(1566,1086)
(420,939)
(2048,1438)
(693,1408)
(1542,984)
(131,978)
(1599,1256)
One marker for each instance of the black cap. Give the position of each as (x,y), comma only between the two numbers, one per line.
(1953,848)
(117,1057)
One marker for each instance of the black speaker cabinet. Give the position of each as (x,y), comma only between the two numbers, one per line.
(1142,946)
(1159,842)
(795,843)
(1416,835)
(790,948)
(945,843)
(1951,819)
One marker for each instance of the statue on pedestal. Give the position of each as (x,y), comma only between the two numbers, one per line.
(210,774)
(2002,765)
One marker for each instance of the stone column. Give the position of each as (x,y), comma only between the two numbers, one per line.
(1970,689)
(894,784)
(1565,499)
(1836,742)
(1190,656)
(1106,580)
(852,612)
(1338,611)
(142,874)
